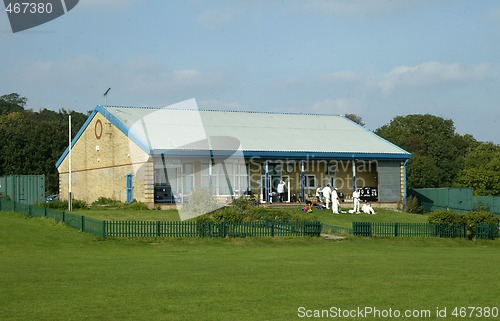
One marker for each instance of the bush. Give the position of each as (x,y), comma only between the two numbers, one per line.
(106,201)
(201,201)
(247,209)
(135,205)
(473,218)
(445,217)
(63,205)
(412,205)
(451,224)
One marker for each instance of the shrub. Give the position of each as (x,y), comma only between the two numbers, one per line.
(79,204)
(201,201)
(106,201)
(247,209)
(63,205)
(412,205)
(451,224)
(473,218)
(135,205)
(445,217)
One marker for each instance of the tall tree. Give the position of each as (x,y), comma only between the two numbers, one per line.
(32,142)
(11,103)
(435,139)
(481,170)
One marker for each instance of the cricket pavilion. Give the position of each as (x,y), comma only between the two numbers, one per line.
(160,155)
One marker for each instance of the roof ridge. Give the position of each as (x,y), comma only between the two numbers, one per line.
(225,110)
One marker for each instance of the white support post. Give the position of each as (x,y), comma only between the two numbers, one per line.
(70,196)
(288,189)
(353,174)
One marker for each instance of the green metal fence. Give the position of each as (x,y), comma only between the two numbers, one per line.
(245,229)
(459,200)
(210,229)
(487,231)
(167,229)
(409,229)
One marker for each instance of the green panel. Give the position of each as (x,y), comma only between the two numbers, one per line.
(486,203)
(454,199)
(25,189)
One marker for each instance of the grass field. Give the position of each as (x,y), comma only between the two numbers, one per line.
(51,272)
(130,215)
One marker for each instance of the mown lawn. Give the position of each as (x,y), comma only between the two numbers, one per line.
(51,272)
(130,215)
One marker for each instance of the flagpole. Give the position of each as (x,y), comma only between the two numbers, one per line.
(70,200)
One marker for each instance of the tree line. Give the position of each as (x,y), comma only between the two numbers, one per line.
(443,158)
(32,142)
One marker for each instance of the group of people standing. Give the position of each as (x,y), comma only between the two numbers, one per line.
(331,196)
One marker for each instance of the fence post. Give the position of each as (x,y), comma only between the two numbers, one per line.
(104,229)
(83,223)
(158,225)
(396,229)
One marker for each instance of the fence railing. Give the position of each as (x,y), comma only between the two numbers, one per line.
(210,229)
(167,229)
(245,229)
(483,231)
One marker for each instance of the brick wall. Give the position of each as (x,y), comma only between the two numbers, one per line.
(101,159)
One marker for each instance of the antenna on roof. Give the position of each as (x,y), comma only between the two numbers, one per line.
(106,95)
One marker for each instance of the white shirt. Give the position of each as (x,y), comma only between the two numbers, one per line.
(281,187)
(355,194)
(327,191)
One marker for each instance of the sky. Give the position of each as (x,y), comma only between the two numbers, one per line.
(377,59)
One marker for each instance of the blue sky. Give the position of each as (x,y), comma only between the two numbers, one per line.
(375,58)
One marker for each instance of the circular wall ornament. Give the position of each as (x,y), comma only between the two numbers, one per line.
(98,129)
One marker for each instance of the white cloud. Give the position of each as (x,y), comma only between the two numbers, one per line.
(433,73)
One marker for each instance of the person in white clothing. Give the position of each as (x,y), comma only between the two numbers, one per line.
(355,199)
(335,201)
(318,194)
(327,192)
(367,208)
(281,190)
